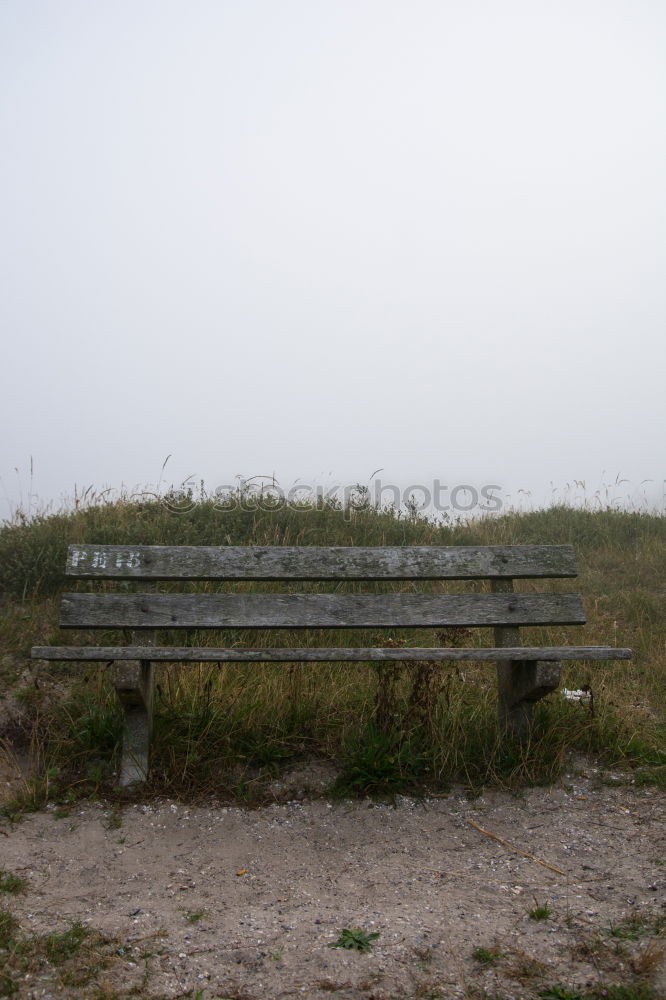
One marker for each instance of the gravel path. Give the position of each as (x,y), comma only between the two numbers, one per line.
(225,902)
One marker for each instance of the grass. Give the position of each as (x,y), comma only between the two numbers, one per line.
(635,991)
(11,884)
(8,926)
(637,925)
(76,961)
(59,947)
(487,956)
(540,912)
(227,730)
(625,969)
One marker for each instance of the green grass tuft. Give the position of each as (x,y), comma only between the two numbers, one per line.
(11,883)
(60,947)
(487,956)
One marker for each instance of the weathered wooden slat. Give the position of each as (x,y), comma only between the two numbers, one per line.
(317,610)
(210,654)
(423,562)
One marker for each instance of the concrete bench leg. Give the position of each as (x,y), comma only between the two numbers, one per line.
(134,681)
(520,686)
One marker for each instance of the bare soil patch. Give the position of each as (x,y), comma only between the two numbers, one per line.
(233,903)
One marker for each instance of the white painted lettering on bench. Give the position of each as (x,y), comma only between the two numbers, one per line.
(78,557)
(127,560)
(99,560)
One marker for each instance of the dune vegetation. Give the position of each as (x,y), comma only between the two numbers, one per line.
(227,730)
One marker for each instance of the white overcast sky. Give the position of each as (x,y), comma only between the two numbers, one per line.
(319,237)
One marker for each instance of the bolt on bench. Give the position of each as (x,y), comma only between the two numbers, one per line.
(525,673)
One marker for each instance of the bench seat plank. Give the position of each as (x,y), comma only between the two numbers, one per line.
(211,654)
(219,611)
(304,562)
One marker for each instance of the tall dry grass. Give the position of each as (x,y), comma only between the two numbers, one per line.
(224,729)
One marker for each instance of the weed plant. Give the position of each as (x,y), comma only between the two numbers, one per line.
(355,939)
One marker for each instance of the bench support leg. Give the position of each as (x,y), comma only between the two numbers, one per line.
(133,681)
(521,685)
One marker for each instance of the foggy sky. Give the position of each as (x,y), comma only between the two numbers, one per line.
(319,237)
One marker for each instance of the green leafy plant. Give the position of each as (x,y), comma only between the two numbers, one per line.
(380,764)
(355,940)
(540,912)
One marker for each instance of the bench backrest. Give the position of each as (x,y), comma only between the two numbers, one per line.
(151,563)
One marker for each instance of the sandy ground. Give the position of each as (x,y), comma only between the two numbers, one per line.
(231,903)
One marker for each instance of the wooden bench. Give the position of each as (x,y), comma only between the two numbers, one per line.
(525,673)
